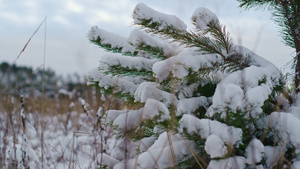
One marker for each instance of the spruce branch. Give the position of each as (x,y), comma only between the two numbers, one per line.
(108,47)
(118,70)
(220,34)
(257,3)
(113,91)
(213,40)
(157,52)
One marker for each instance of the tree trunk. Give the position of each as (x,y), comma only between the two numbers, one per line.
(295,32)
(297,69)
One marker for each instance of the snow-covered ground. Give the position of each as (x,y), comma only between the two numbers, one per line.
(70,141)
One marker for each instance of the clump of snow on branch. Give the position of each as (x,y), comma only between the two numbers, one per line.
(149,90)
(159,155)
(189,105)
(206,127)
(254,151)
(143,12)
(242,87)
(106,160)
(127,62)
(128,120)
(215,147)
(287,125)
(138,37)
(202,17)
(154,108)
(106,37)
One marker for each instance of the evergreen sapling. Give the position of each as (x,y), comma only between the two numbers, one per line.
(201,100)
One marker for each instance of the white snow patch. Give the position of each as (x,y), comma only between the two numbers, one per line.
(129,120)
(254,151)
(190,59)
(148,90)
(257,96)
(296,164)
(162,69)
(202,17)
(122,84)
(187,106)
(295,109)
(154,108)
(143,12)
(113,114)
(215,147)
(105,159)
(126,61)
(272,155)
(228,95)
(288,127)
(116,41)
(206,127)
(120,148)
(145,143)
(159,154)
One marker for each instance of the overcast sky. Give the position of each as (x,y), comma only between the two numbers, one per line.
(68,22)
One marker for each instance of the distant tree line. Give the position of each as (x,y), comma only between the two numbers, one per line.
(17,80)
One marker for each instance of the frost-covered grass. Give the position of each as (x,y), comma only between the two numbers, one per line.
(68,141)
(71,130)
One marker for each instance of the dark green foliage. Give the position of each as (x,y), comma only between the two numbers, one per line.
(207,89)
(200,76)
(206,83)
(257,3)
(108,47)
(118,70)
(262,81)
(200,112)
(200,155)
(156,52)
(290,154)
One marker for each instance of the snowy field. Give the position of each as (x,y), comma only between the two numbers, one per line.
(70,141)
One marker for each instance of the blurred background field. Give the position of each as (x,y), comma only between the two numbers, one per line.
(70,126)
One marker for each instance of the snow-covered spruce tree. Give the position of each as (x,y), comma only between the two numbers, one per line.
(200,100)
